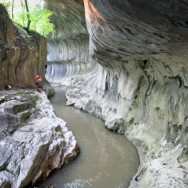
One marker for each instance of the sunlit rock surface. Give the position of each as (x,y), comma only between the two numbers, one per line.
(22,54)
(33,141)
(139,86)
(68,46)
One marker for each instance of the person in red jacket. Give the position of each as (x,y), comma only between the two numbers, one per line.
(38,82)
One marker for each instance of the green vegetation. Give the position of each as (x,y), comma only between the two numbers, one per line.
(7,5)
(30,16)
(29,96)
(40,21)
(32,99)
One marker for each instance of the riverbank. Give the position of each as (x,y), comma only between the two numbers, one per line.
(163,162)
(33,141)
(106,159)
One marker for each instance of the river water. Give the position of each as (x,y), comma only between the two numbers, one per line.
(107,160)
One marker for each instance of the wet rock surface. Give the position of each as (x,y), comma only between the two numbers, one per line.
(33,141)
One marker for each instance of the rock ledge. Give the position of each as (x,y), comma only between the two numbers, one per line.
(33,141)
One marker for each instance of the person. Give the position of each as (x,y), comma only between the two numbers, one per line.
(38,82)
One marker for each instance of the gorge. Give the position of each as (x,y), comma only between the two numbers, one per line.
(124,61)
(137,79)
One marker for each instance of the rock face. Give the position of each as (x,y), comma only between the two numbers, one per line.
(70,39)
(22,54)
(68,46)
(33,141)
(139,85)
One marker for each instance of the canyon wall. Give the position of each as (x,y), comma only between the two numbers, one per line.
(139,85)
(22,54)
(33,141)
(68,46)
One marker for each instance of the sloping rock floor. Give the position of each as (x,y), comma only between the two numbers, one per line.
(33,141)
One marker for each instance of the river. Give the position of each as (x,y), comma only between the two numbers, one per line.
(107,160)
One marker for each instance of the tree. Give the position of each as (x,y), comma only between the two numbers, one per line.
(12,9)
(31,17)
(7,5)
(28,17)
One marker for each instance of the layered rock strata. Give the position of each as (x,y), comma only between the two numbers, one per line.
(139,86)
(22,54)
(68,50)
(70,38)
(33,141)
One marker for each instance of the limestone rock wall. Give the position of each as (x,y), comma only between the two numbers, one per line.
(33,141)
(70,38)
(22,54)
(128,78)
(139,84)
(68,46)
(139,87)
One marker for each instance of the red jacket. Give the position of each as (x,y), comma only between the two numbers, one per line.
(38,78)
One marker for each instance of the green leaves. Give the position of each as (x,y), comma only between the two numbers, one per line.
(40,21)
(39,17)
(6,4)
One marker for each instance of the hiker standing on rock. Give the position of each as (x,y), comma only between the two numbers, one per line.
(38,82)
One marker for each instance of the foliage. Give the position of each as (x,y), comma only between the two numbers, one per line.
(7,5)
(30,97)
(39,17)
(40,21)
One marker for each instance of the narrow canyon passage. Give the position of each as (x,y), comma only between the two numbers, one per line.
(123,61)
(106,159)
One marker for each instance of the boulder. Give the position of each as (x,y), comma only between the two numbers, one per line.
(36,147)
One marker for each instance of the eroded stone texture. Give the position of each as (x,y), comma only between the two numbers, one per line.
(139,86)
(69,42)
(68,50)
(33,141)
(22,54)
(33,144)
(123,29)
